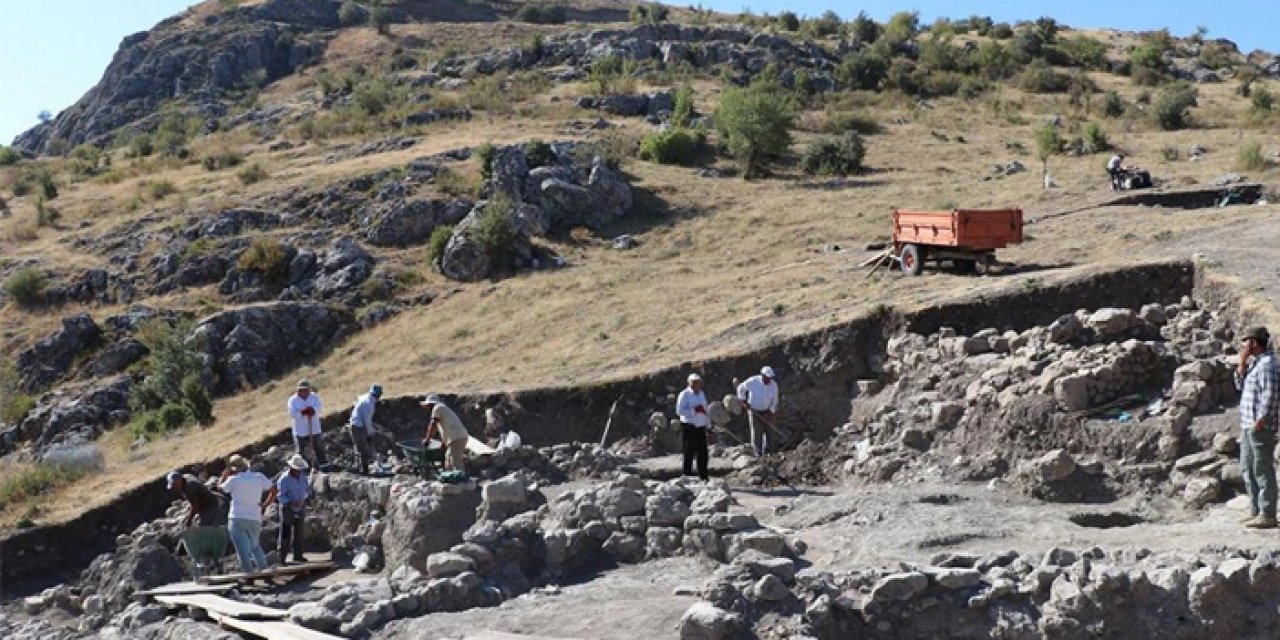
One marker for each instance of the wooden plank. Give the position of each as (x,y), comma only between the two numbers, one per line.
(179,588)
(217,604)
(271,629)
(499,635)
(275,572)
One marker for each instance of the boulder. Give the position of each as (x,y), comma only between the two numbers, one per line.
(705,621)
(50,358)
(1199,492)
(425,519)
(624,105)
(447,565)
(1111,322)
(344,268)
(621,501)
(1053,466)
(666,511)
(899,587)
(769,589)
(407,223)
(116,577)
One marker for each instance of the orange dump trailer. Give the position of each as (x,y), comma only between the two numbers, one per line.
(967,238)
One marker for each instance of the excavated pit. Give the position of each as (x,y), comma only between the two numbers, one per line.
(1192,198)
(1112,520)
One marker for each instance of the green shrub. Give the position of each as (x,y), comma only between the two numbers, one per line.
(902,26)
(1001,31)
(35,481)
(485,154)
(864,70)
(37,179)
(1250,157)
(495,229)
(15,406)
(252,174)
(9,156)
(1112,105)
(1028,44)
(834,156)
(864,29)
(1039,77)
(538,154)
(458,184)
(439,240)
(838,122)
(1151,58)
(1170,154)
(673,146)
(268,258)
(1048,143)
(1171,107)
(196,399)
(171,394)
(26,286)
(1261,100)
(828,24)
(1095,139)
(787,21)
(1086,52)
(534,14)
(141,146)
(610,75)
(682,111)
(754,126)
(350,14)
(219,160)
(648,13)
(372,96)
(380,18)
(994,61)
(159,189)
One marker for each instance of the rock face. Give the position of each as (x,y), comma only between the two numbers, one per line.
(133,568)
(72,415)
(51,358)
(252,345)
(411,222)
(268,41)
(426,519)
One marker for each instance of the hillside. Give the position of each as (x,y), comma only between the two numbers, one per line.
(248,142)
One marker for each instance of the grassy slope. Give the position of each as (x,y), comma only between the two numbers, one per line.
(723,264)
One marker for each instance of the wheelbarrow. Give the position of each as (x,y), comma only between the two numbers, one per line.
(424,461)
(207,548)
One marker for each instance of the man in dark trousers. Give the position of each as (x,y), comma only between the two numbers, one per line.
(1258,379)
(691,407)
(292,491)
(207,508)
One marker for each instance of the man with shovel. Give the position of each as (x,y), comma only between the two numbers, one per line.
(304,411)
(759,396)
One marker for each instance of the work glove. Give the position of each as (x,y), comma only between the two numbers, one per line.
(308,412)
(699,409)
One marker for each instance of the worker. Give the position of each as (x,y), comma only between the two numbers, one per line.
(291,491)
(453,434)
(360,426)
(1114,169)
(247,489)
(206,507)
(691,408)
(759,396)
(1258,379)
(304,411)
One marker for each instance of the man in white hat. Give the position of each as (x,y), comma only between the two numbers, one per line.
(304,411)
(246,488)
(292,491)
(691,408)
(453,434)
(759,396)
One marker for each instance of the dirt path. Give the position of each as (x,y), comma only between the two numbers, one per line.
(633,601)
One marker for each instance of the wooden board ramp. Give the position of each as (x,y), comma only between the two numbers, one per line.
(215,604)
(499,635)
(180,588)
(270,629)
(270,574)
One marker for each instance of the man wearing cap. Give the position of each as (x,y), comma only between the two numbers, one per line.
(759,396)
(291,491)
(453,434)
(246,488)
(207,508)
(691,408)
(1258,380)
(304,411)
(361,425)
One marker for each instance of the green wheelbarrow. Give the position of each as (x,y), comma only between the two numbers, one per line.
(207,548)
(424,461)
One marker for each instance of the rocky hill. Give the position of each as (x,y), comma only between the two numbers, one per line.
(520,203)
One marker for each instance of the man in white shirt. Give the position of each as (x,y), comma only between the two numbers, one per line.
(691,408)
(759,396)
(453,434)
(304,412)
(1113,170)
(246,489)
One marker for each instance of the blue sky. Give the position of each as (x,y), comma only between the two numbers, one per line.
(52,52)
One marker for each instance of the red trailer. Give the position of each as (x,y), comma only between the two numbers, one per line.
(968,238)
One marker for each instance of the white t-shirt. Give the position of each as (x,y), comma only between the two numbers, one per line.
(246,489)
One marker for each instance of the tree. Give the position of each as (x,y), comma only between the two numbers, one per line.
(1171,108)
(754,126)
(902,27)
(787,21)
(864,70)
(44,116)
(1048,142)
(864,29)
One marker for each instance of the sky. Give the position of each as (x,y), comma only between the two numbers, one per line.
(52,52)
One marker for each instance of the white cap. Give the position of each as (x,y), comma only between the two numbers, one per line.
(767,372)
(693,377)
(298,462)
(430,399)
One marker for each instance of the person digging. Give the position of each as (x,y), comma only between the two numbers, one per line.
(759,396)
(291,491)
(208,509)
(453,434)
(361,427)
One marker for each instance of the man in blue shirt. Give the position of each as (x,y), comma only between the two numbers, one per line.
(1258,378)
(361,425)
(291,492)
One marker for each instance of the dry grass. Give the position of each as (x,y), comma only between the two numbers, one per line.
(723,265)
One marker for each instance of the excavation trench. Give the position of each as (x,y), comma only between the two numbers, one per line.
(820,372)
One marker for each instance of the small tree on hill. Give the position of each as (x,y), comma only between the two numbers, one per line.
(1048,142)
(754,126)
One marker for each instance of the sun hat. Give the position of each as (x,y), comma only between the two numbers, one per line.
(237,462)
(767,372)
(304,384)
(298,462)
(1258,333)
(693,377)
(430,398)
(376,391)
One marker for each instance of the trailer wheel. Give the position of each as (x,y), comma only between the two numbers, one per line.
(912,262)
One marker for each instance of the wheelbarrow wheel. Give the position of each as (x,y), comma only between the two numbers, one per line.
(911,258)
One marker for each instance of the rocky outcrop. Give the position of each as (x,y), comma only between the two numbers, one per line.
(52,357)
(427,518)
(72,415)
(174,61)
(410,222)
(248,347)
